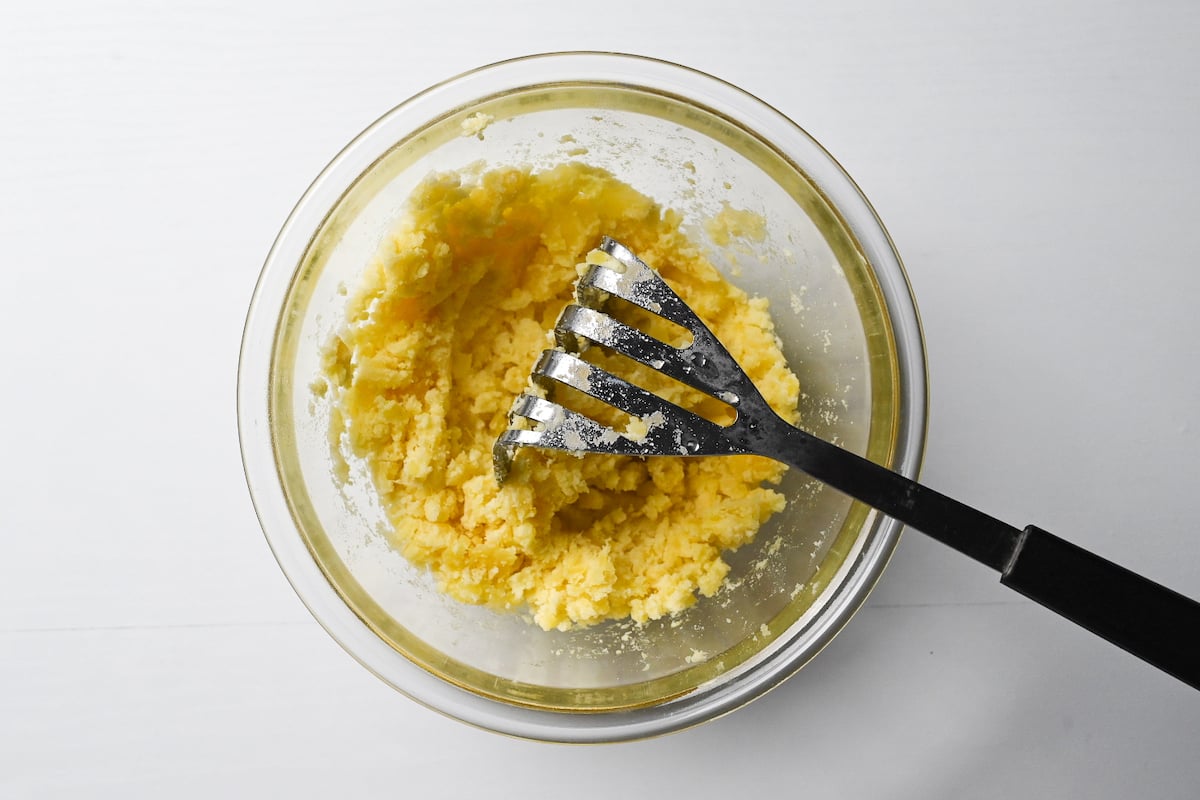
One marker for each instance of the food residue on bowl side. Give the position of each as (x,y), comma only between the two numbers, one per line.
(476,124)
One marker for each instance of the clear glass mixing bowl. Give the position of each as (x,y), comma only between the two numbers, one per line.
(843,311)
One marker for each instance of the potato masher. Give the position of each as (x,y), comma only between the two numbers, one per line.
(1152,622)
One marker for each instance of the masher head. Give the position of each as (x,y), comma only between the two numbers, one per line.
(663,428)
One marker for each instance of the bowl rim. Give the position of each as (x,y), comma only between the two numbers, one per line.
(254,386)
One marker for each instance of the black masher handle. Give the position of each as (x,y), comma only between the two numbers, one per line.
(1158,625)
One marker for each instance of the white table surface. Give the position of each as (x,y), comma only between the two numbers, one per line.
(1037,166)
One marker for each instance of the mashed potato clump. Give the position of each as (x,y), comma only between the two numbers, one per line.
(439,340)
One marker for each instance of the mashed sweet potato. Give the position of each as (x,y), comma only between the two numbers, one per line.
(439,339)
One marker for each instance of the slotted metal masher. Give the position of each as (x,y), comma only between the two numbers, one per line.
(1152,622)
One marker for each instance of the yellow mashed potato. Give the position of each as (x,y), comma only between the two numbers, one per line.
(439,340)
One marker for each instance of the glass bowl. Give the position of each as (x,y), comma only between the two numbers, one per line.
(844,313)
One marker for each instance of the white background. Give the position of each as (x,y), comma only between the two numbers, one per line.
(1037,164)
